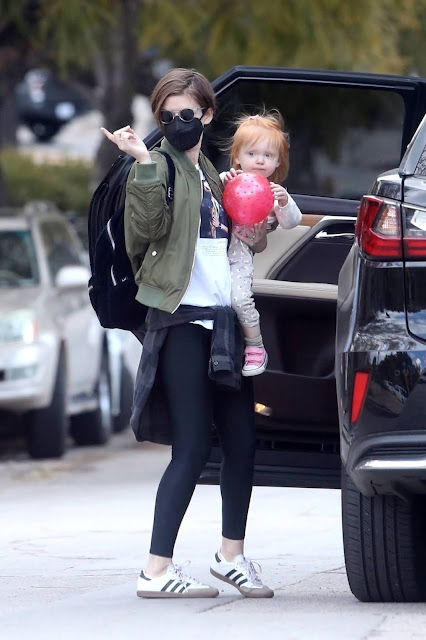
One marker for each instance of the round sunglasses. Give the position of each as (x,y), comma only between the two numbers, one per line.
(186,115)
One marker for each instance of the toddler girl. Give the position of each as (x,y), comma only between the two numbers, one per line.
(259,145)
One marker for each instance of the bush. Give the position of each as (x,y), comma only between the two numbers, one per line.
(65,182)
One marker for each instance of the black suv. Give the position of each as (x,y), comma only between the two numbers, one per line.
(342,301)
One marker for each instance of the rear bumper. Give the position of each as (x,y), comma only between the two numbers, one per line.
(389,463)
(27,376)
(384,451)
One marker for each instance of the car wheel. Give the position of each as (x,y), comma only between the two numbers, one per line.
(384,544)
(95,427)
(47,428)
(121,421)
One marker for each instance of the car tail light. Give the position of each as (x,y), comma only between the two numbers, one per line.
(378,229)
(359,392)
(414,241)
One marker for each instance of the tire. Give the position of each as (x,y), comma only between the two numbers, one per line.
(47,428)
(384,545)
(121,422)
(95,427)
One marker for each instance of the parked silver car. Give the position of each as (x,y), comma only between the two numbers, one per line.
(60,372)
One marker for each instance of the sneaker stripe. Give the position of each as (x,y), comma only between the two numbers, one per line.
(229,574)
(217,557)
(237,577)
(176,586)
(183,588)
(240,584)
(167,585)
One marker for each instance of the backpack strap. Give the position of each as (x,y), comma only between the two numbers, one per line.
(171,165)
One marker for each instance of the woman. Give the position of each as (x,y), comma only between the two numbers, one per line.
(189,376)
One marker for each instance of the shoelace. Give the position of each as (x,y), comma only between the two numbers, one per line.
(180,575)
(249,569)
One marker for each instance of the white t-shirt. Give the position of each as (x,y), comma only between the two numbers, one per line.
(210,283)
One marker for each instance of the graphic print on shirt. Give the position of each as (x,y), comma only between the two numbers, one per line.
(213,218)
(210,283)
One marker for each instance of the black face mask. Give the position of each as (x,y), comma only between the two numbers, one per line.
(183,135)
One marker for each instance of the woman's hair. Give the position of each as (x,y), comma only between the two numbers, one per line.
(252,128)
(179,81)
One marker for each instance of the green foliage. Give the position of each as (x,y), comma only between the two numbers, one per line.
(12,11)
(74,29)
(381,36)
(413,42)
(212,36)
(67,183)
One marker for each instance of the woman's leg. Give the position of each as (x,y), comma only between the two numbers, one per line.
(234,418)
(238,437)
(183,367)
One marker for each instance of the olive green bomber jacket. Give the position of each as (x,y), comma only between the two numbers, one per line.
(160,241)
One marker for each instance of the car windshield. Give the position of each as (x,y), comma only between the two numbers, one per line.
(18,262)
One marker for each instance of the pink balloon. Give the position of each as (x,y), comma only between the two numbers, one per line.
(248,198)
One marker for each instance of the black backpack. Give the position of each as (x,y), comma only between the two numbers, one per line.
(112,286)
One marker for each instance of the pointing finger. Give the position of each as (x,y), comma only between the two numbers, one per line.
(108,134)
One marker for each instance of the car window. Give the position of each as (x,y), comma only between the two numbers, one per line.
(341,137)
(321,258)
(420,169)
(18,262)
(59,246)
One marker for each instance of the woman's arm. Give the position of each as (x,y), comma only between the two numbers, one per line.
(140,227)
(146,212)
(146,208)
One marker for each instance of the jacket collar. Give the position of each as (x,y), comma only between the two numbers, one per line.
(180,156)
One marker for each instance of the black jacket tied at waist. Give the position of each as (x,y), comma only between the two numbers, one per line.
(149,418)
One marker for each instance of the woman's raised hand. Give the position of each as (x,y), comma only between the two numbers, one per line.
(129,142)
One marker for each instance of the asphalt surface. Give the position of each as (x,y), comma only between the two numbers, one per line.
(75,532)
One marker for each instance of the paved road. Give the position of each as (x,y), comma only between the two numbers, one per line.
(74,534)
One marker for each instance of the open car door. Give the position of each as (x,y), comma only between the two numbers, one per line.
(345,128)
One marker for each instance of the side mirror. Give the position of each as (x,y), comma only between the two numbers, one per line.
(72,276)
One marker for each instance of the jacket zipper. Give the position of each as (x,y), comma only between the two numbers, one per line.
(195,247)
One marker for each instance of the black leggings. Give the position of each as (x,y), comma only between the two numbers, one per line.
(193,399)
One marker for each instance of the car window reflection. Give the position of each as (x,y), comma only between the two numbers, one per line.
(18,263)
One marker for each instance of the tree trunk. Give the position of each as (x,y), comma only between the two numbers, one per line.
(15,60)
(115,71)
(13,65)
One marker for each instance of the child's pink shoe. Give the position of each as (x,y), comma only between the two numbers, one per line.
(255,361)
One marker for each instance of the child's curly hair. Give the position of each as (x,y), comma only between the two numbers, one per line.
(252,128)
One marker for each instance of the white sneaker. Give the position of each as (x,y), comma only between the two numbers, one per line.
(242,574)
(173,584)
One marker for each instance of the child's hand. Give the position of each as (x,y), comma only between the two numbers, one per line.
(280,194)
(250,233)
(230,175)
